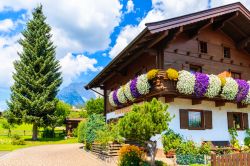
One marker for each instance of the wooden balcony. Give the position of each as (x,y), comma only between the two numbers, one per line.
(163,87)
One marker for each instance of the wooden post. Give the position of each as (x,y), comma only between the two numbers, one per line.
(213,160)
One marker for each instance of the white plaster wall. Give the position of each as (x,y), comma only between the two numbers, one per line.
(219,132)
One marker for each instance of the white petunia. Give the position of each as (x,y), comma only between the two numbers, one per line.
(186,82)
(127,92)
(121,96)
(142,84)
(214,86)
(230,90)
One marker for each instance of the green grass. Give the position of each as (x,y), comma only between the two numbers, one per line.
(5,142)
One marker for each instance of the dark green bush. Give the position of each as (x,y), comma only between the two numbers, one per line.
(17,140)
(188,159)
(48,133)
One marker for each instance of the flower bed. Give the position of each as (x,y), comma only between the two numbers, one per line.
(197,84)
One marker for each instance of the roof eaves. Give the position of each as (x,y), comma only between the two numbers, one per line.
(91,83)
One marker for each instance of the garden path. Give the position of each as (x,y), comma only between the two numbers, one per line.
(52,155)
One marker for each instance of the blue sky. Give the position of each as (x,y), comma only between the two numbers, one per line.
(88,34)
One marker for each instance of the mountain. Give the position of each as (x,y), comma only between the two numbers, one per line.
(75,94)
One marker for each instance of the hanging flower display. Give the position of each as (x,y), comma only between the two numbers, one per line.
(152,74)
(186,82)
(127,92)
(247,99)
(121,96)
(214,86)
(230,89)
(243,88)
(111,100)
(133,88)
(142,84)
(201,84)
(115,98)
(172,74)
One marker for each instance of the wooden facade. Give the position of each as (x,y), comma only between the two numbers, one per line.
(213,41)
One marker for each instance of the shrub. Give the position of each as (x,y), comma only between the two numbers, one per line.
(234,142)
(48,133)
(75,132)
(187,147)
(17,140)
(152,74)
(171,141)
(205,148)
(172,74)
(81,131)
(110,133)
(130,155)
(94,123)
(247,138)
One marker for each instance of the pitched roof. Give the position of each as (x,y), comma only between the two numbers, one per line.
(232,19)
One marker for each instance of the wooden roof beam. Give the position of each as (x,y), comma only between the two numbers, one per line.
(170,37)
(237,29)
(202,26)
(160,37)
(243,44)
(220,24)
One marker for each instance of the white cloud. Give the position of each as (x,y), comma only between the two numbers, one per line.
(130,6)
(77,26)
(6,25)
(8,53)
(164,9)
(73,65)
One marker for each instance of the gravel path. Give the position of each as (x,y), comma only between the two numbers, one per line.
(52,155)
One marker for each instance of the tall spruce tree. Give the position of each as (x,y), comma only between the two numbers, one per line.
(37,77)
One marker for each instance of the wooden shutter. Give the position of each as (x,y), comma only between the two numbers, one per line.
(183,119)
(245,121)
(230,120)
(208,119)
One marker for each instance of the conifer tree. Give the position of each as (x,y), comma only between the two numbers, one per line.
(36,77)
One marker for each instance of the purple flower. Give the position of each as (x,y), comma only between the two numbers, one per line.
(115,98)
(201,84)
(243,88)
(133,88)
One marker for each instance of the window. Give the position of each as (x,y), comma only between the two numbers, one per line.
(237,120)
(236,75)
(195,119)
(227,53)
(203,47)
(195,68)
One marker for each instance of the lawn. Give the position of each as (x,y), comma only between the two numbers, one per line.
(25,131)
(5,142)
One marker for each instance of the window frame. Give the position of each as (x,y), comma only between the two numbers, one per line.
(235,73)
(203,47)
(199,67)
(229,52)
